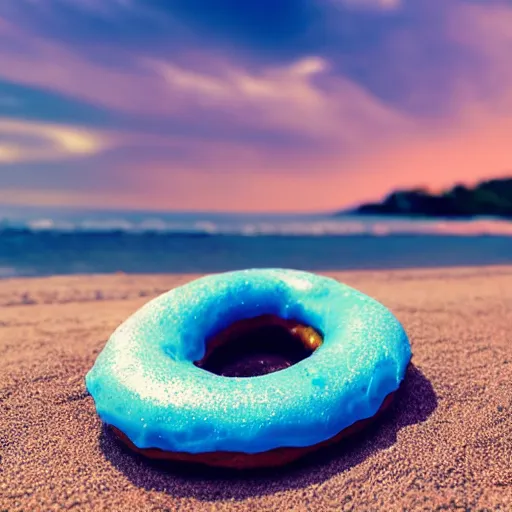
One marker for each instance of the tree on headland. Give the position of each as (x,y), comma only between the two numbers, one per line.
(488,198)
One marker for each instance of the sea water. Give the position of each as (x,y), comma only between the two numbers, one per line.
(50,241)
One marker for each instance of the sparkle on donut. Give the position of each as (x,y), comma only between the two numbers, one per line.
(147,384)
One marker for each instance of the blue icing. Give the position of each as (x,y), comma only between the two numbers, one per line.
(144,381)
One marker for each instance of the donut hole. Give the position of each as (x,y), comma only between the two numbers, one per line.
(258,346)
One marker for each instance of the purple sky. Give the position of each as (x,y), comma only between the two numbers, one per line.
(296,105)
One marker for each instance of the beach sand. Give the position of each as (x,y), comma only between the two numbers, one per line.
(446,444)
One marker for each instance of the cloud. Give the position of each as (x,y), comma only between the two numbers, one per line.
(284,97)
(163,99)
(44,142)
(301,97)
(406,56)
(246,180)
(34,61)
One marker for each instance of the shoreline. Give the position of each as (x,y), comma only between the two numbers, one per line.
(445,443)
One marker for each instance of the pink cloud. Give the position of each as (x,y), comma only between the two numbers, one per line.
(365,146)
(33,60)
(41,142)
(244,180)
(285,97)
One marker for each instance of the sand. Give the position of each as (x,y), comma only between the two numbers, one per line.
(446,444)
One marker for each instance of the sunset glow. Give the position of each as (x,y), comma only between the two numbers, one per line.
(309,106)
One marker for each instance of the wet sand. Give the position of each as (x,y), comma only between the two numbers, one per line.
(446,443)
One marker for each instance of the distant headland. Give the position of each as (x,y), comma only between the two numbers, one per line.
(488,198)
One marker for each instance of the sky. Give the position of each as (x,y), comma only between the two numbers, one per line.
(229,105)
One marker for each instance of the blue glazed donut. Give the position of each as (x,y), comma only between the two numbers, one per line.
(146,385)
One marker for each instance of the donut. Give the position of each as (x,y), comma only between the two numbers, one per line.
(158,384)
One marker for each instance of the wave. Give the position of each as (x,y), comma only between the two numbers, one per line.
(323,226)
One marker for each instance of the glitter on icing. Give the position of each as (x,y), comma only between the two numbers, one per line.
(144,381)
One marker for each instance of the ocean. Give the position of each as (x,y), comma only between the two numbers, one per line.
(41,242)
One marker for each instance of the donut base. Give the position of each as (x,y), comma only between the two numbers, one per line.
(239,460)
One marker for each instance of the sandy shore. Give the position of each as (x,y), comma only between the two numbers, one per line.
(445,445)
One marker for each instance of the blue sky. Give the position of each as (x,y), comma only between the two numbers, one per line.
(228,105)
